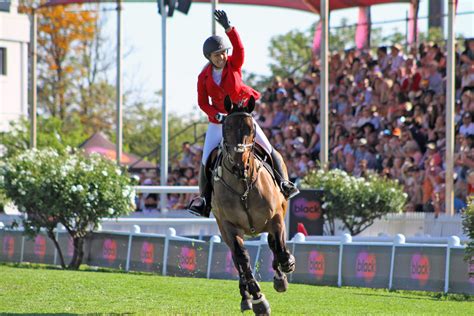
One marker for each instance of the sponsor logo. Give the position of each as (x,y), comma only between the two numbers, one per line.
(40,247)
(109,250)
(229,264)
(307,209)
(187,259)
(366,266)
(8,246)
(316,264)
(147,253)
(420,268)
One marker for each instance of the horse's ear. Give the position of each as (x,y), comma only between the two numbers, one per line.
(228,104)
(250,105)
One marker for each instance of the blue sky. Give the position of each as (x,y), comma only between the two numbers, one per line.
(256,25)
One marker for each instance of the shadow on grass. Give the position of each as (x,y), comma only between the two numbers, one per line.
(425,296)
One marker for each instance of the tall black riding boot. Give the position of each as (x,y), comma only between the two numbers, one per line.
(288,188)
(201,205)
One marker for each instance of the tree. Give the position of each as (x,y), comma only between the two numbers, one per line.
(357,202)
(468,225)
(291,53)
(67,188)
(61,34)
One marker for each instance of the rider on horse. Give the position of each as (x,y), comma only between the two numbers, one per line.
(222,76)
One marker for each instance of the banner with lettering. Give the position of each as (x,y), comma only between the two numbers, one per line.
(461,273)
(222,263)
(108,250)
(10,242)
(39,249)
(147,254)
(419,268)
(186,258)
(306,209)
(316,264)
(366,266)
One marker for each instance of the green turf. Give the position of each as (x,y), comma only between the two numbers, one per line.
(27,290)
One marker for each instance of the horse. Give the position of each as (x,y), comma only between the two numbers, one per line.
(247,201)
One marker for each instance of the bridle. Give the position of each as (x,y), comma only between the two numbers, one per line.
(238,148)
(243,175)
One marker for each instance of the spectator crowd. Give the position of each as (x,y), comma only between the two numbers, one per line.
(387,116)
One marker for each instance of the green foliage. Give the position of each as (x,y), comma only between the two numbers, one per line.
(434,34)
(51,132)
(142,131)
(69,188)
(357,202)
(468,225)
(291,53)
(343,37)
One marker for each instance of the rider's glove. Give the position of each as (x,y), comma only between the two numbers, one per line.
(220,117)
(221,18)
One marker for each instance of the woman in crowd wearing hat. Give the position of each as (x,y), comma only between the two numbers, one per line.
(222,76)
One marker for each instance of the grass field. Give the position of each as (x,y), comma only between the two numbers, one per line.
(26,289)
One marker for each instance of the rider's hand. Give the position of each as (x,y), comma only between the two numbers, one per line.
(221,18)
(220,117)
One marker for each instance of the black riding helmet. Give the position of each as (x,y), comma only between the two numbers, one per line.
(214,44)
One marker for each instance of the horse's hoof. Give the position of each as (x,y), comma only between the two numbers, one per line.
(280,284)
(289,266)
(261,306)
(245,305)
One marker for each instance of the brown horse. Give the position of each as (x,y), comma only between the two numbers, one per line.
(247,201)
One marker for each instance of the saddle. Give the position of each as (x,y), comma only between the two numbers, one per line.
(215,159)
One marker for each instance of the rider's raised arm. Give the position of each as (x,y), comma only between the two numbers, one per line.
(237,57)
(203,99)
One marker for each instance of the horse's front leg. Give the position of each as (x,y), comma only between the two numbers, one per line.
(233,237)
(280,281)
(285,260)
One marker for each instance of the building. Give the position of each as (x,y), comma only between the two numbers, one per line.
(14,39)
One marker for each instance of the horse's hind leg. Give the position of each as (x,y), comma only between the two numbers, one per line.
(286,261)
(234,239)
(280,281)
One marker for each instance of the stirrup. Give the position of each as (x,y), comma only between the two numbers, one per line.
(199,210)
(289,190)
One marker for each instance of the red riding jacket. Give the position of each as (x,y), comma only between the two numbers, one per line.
(231,82)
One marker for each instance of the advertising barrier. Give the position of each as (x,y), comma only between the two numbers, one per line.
(11,242)
(222,265)
(460,279)
(39,249)
(108,250)
(316,264)
(366,266)
(419,268)
(306,209)
(147,254)
(326,261)
(187,258)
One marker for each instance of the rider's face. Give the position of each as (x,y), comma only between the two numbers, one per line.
(219,59)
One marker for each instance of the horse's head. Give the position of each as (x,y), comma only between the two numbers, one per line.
(239,133)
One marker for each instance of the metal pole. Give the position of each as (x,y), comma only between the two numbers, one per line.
(164,113)
(407,26)
(449,202)
(119,99)
(214,4)
(34,28)
(324,104)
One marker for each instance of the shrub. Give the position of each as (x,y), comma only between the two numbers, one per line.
(468,224)
(66,188)
(357,202)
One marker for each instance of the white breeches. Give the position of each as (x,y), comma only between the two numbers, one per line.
(214,137)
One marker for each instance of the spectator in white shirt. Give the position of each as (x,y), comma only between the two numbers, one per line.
(467,127)
(396,57)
